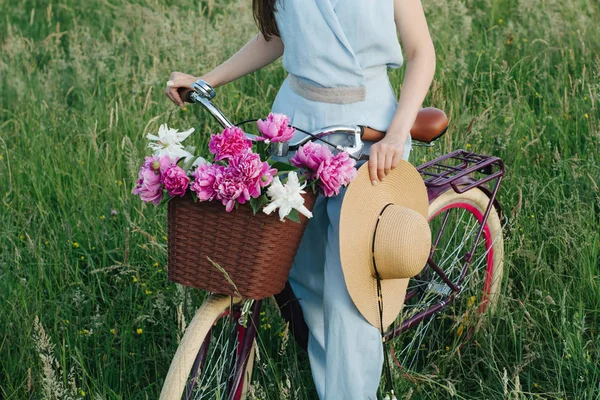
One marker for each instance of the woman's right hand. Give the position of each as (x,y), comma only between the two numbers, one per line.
(176,81)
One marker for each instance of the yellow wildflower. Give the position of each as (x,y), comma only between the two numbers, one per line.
(102,217)
(184,109)
(468,145)
(447,348)
(113,331)
(460,330)
(75,245)
(471,301)
(82,393)
(156,264)
(139,331)
(148,291)
(586,116)
(82,257)
(1,157)
(135,279)
(21,237)
(500,21)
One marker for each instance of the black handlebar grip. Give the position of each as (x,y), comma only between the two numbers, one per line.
(184,93)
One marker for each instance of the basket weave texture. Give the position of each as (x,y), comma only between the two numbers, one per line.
(256,251)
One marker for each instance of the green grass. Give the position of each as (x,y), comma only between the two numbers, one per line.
(80,85)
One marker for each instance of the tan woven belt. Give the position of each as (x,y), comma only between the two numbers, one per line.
(337,95)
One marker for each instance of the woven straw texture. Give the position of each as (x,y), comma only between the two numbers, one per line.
(256,251)
(403,187)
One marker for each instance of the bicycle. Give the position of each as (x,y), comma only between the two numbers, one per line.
(464,270)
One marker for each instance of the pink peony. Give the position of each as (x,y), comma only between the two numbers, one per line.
(333,172)
(254,173)
(311,156)
(276,128)
(205,177)
(175,180)
(149,186)
(229,187)
(230,142)
(337,173)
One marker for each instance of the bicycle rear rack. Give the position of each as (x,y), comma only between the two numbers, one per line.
(461,170)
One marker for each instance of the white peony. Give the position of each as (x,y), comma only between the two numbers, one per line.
(169,141)
(286,197)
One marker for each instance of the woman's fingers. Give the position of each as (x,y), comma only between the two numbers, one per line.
(178,80)
(381,165)
(382,160)
(397,157)
(176,97)
(387,166)
(373,166)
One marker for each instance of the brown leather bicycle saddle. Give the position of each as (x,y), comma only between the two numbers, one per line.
(431,123)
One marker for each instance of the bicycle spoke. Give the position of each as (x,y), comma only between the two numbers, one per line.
(218,367)
(454,231)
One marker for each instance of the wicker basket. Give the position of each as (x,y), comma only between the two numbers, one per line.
(256,251)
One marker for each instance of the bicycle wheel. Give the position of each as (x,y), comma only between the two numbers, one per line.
(205,361)
(455,220)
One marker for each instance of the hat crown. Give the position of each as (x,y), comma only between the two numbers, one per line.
(402,241)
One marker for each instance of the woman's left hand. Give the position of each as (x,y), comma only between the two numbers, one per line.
(384,156)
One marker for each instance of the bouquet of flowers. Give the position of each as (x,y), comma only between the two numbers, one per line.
(241,171)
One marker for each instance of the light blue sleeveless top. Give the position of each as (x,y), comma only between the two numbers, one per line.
(331,42)
(338,44)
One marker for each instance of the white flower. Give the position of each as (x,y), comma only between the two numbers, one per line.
(169,141)
(286,197)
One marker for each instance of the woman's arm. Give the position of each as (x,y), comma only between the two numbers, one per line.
(420,67)
(255,54)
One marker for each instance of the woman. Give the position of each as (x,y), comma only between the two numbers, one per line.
(337,53)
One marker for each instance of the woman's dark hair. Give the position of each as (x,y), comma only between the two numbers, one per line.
(264,15)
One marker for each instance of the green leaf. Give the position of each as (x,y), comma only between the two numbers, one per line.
(293,216)
(283,167)
(187,163)
(256,204)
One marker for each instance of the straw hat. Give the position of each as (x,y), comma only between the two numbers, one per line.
(384,228)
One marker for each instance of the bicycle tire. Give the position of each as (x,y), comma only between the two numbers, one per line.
(213,328)
(446,333)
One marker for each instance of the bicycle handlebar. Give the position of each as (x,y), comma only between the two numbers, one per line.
(201,92)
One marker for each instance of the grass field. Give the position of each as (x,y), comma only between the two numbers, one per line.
(86,310)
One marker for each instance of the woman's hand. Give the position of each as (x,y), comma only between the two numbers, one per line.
(385,155)
(176,81)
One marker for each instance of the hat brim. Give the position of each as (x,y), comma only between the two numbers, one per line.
(361,207)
